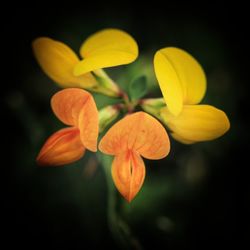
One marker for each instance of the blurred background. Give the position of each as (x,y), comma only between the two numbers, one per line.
(195,198)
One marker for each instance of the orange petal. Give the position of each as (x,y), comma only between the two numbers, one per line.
(88,124)
(63,147)
(139,132)
(68,103)
(128,172)
(77,107)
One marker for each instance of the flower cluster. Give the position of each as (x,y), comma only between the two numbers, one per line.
(138,134)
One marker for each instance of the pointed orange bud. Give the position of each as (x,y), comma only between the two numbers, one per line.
(128,172)
(76,107)
(61,148)
(134,135)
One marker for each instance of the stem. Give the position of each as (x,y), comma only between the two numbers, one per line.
(127,102)
(118,227)
(105,85)
(153,106)
(108,87)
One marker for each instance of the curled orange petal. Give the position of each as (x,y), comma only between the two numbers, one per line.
(88,124)
(61,148)
(67,104)
(77,107)
(139,132)
(128,172)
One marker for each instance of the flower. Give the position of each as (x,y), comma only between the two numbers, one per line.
(76,108)
(136,135)
(183,85)
(106,48)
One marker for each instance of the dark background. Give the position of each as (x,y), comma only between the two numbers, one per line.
(194,199)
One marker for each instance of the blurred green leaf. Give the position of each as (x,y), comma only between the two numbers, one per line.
(138,88)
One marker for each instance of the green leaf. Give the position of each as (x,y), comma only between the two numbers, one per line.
(138,88)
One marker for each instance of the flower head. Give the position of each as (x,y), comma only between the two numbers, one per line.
(183,85)
(77,109)
(135,135)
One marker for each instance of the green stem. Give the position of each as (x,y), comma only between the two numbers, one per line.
(118,227)
(153,106)
(108,87)
(105,84)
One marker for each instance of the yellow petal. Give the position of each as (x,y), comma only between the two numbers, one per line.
(181,78)
(180,139)
(197,123)
(169,82)
(58,61)
(139,132)
(191,75)
(128,172)
(76,107)
(106,48)
(63,147)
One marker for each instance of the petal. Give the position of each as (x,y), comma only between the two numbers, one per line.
(88,123)
(181,139)
(63,147)
(58,61)
(197,123)
(191,75)
(139,132)
(67,104)
(169,82)
(106,48)
(77,107)
(128,172)
(181,78)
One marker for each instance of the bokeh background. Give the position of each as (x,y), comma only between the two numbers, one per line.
(194,199)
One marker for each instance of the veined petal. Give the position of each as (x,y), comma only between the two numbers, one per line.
(139,132)
(128,172)
(67,104)
(88,124)
(197,123)
(57,60)
(76,107)
(106,48)
(175,70)
(63,147)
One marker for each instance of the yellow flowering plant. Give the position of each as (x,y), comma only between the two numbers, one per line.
(140,133)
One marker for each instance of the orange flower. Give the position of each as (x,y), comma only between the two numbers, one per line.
(135,135)
(76,108)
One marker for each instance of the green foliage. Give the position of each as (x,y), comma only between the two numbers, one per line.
(138,88)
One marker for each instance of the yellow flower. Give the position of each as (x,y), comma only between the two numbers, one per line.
(136,135)
(106,48)
(183,85)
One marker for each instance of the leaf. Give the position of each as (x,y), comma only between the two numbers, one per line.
(138,88)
